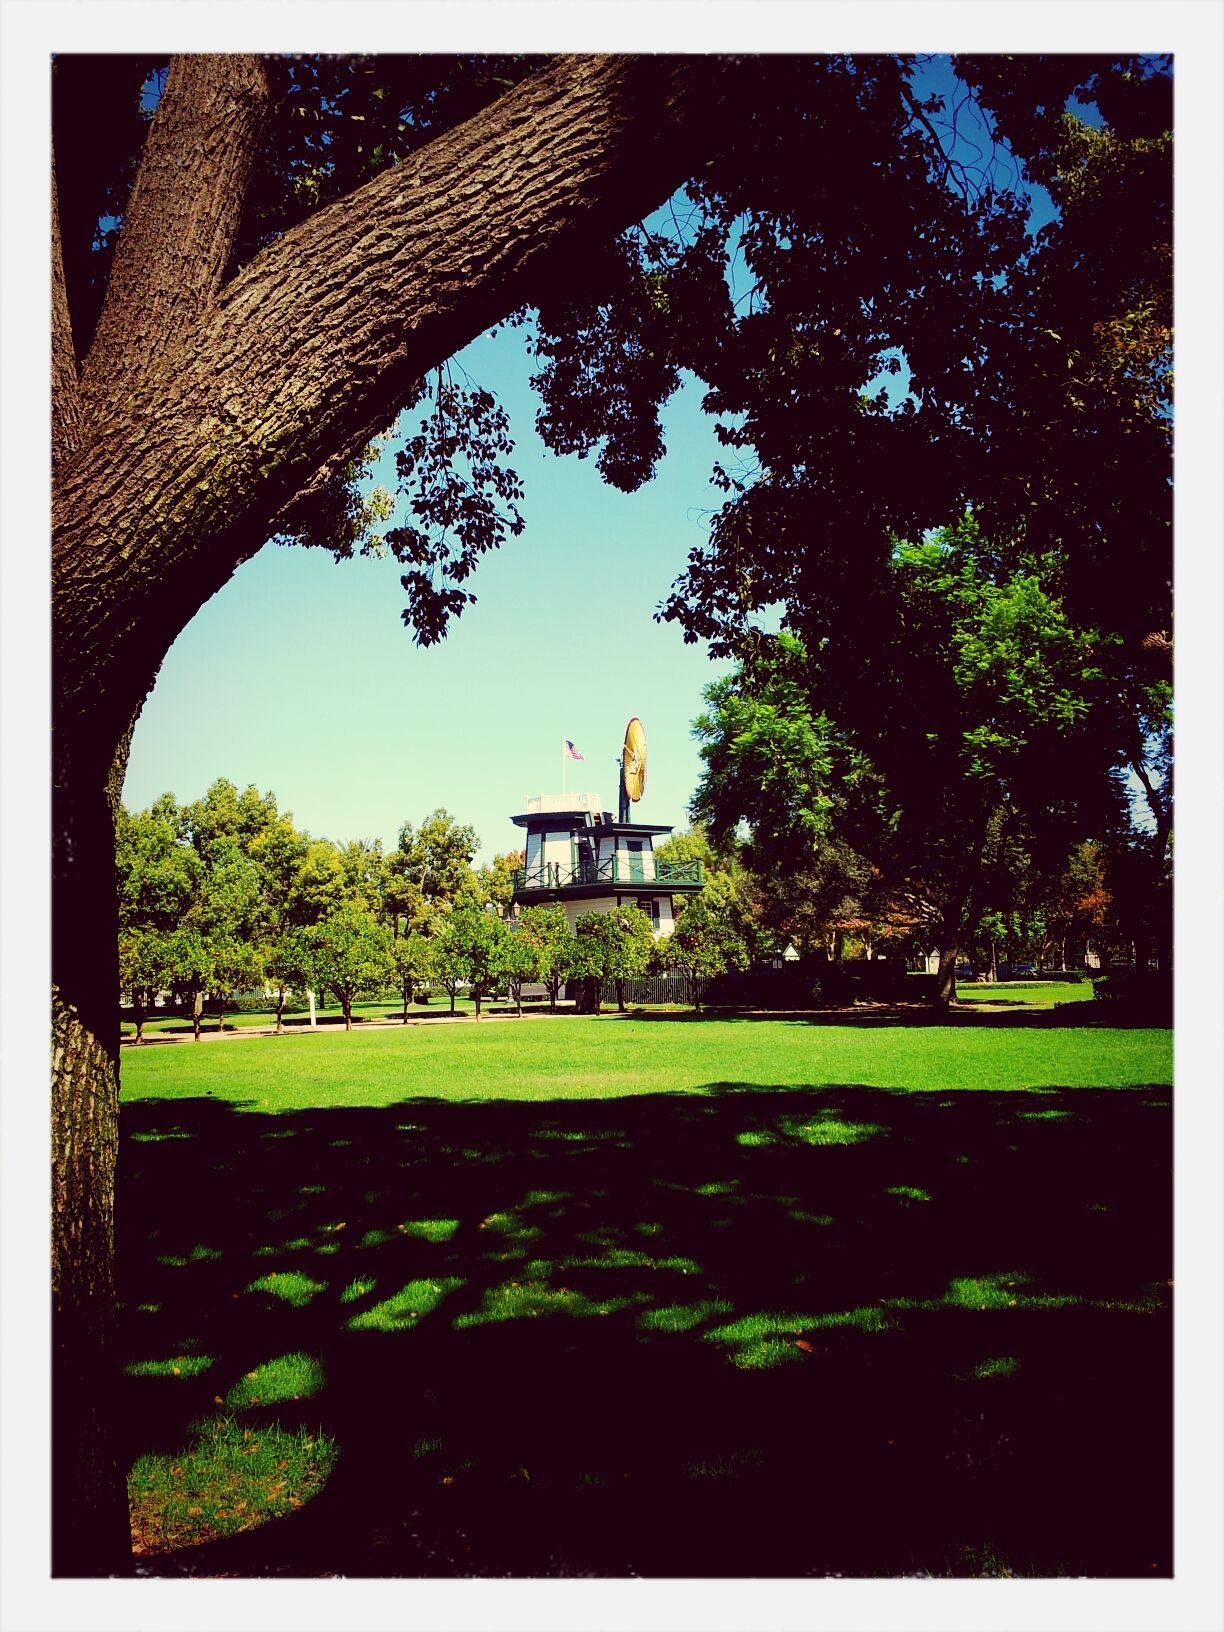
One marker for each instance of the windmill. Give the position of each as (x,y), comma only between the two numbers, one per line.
(633,768)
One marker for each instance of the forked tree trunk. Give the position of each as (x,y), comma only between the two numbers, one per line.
(205,412)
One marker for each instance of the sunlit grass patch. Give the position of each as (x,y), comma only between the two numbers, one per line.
(290,1286)
(402,1311)
(820,1130)
(289,1377)
(761,1340)
(430,1229)
(622,1258)
(828,1130)
(1000,1365)
(199,1254)
(908,1192)
(301,1243)
(1001,1291)
(230,1478)
(358,1289)
(524,1300)
(511,1226)
(868,1317)
(680,1317)
(802,1217)
(180,1365)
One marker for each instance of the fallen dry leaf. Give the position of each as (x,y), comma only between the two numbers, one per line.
(802,1343)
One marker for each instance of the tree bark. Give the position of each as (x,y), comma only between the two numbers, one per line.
(205,411)
(180,223)
(65,382)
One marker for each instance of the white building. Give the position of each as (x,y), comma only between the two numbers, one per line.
(577,854)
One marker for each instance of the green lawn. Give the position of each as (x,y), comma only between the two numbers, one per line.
(666,1296)
(583,1057)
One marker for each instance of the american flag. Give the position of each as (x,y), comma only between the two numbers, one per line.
(570,751)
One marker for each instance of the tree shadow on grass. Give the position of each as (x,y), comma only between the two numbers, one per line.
(1078,1012)
(746,1332)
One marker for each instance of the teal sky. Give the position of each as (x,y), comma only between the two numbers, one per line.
(299,675)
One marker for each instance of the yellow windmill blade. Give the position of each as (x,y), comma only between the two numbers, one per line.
(633,760)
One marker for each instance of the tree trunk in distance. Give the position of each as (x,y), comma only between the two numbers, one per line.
(945,976)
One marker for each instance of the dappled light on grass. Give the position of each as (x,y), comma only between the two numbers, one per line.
(288,1377)
(181,1365)
(290,1286)
(401,1312)
(606,1345)
(825,1130)
(229,1479)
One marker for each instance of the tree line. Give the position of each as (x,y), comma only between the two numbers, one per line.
(224,895)
(967,785)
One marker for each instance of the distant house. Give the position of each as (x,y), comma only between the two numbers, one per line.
(577,854)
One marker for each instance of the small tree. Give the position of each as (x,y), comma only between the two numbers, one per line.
(547,932)
(144,968)
(468,948)
(704,943)
(286,965)
(350,954)
(496,879)
(411,964)
(619,946)
(232,965)
(518,965)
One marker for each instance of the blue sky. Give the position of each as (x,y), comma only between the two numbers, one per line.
(300,676)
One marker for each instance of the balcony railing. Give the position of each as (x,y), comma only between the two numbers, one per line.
(615,872)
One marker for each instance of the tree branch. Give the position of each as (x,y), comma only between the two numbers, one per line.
(313,346)
(180,223)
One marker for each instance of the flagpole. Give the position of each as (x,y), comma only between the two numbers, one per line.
(563,765)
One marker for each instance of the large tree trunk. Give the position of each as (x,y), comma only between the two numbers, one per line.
(204,412)
(89,1534)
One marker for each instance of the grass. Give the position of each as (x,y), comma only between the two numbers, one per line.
(229,1479)
(651,1296)
(583,1057)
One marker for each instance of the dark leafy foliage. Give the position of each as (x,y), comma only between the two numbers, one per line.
(463,497)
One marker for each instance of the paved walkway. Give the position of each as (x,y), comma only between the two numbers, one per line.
(302,1028)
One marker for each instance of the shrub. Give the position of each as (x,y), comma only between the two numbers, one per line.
(1146,992)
